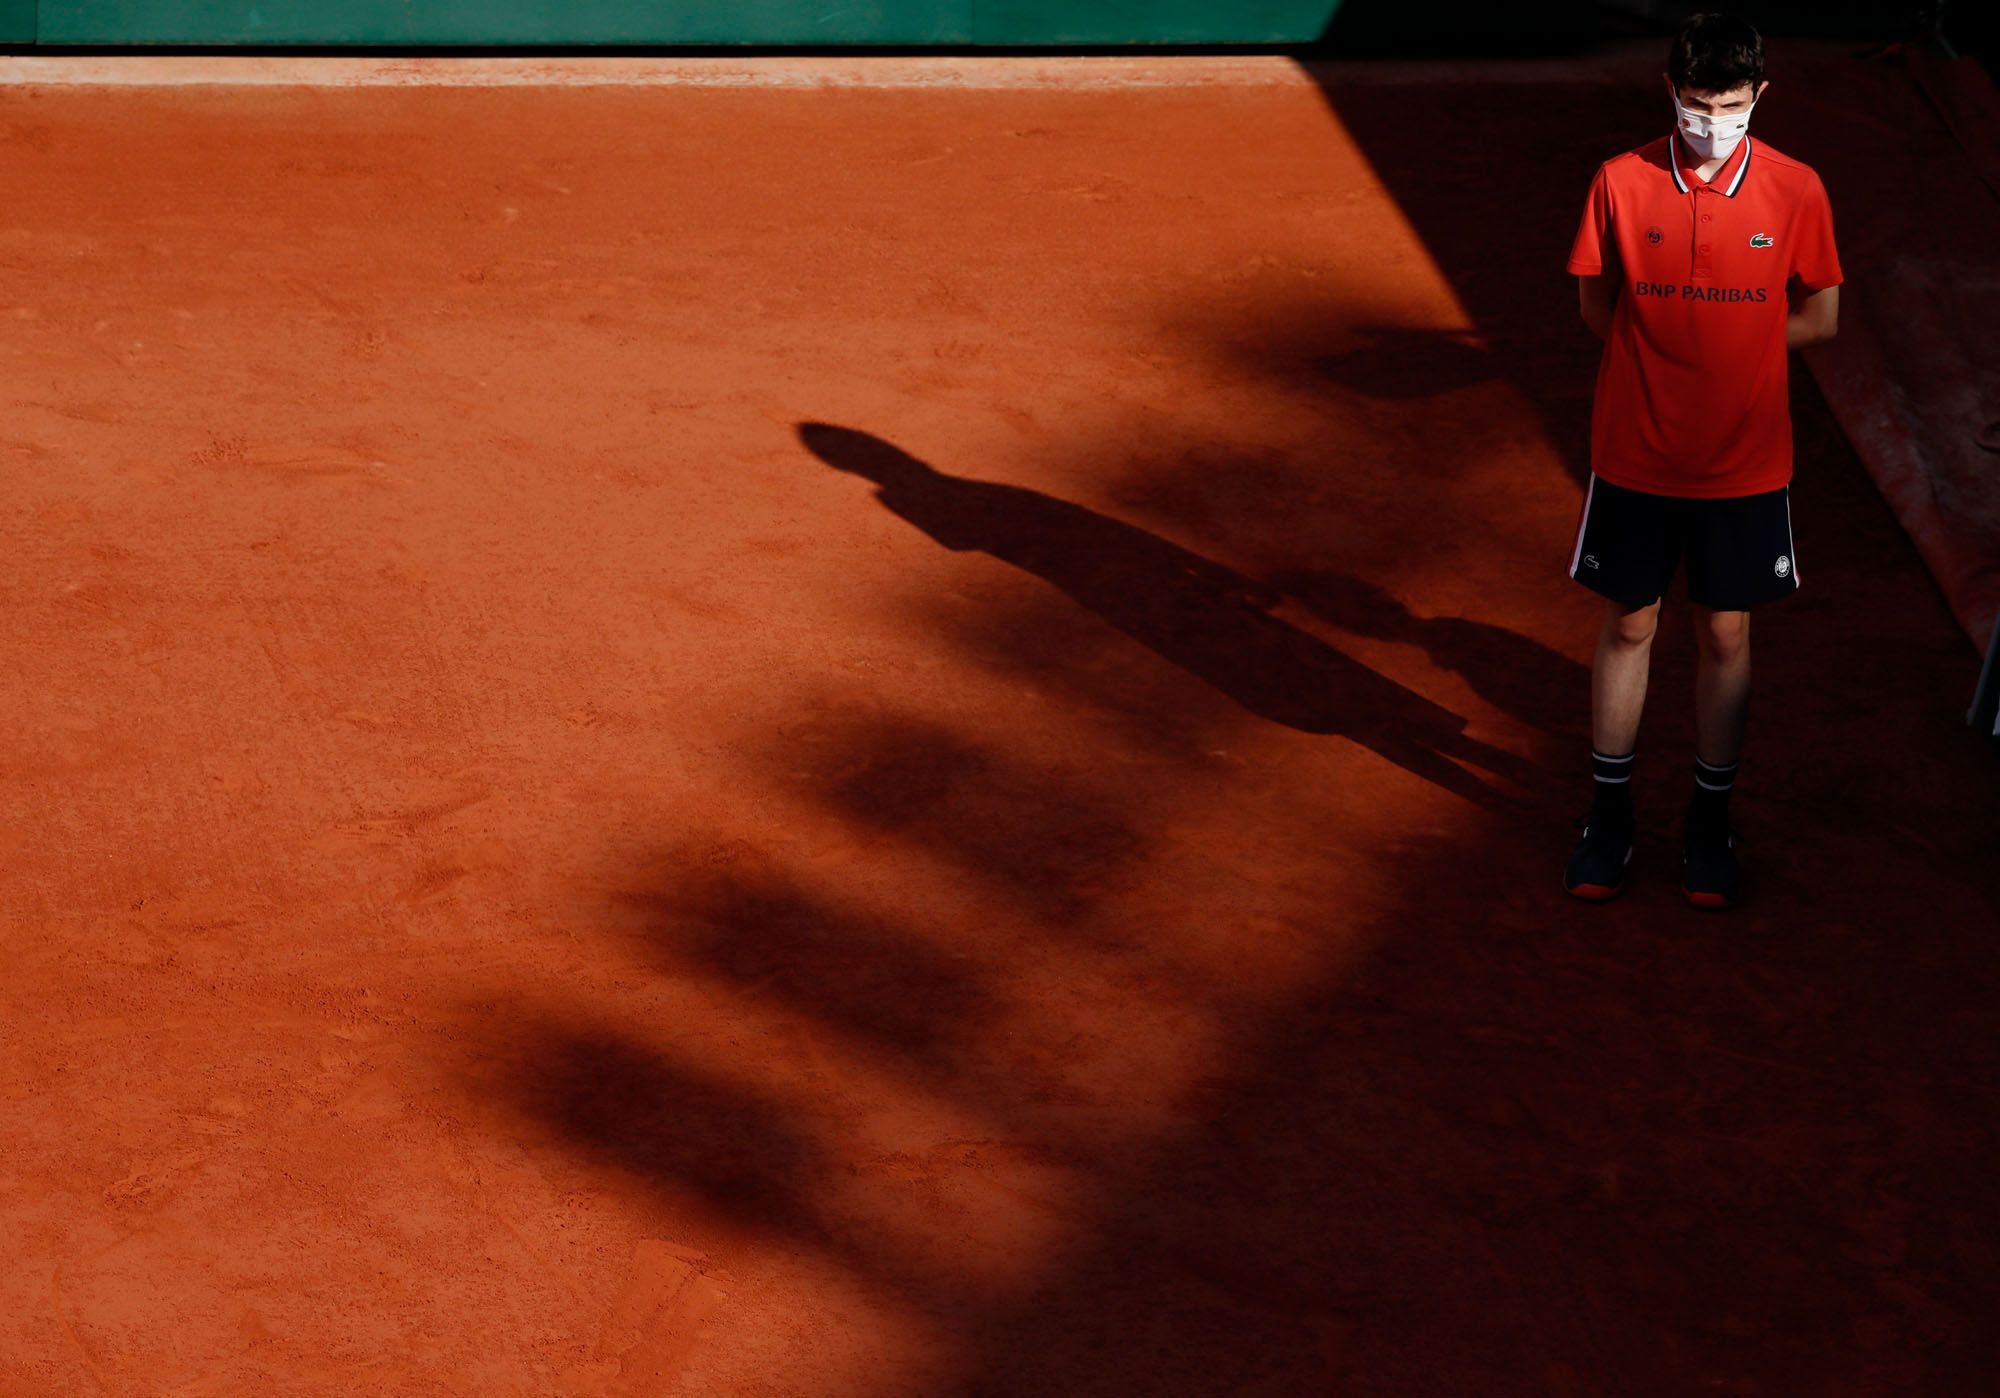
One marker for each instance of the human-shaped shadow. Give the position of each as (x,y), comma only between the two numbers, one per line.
(1208,619)
(1520,677)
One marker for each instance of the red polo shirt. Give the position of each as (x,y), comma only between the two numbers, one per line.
(1691,389)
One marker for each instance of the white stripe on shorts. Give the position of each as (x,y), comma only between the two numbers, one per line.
(1582,525)
(1792,543)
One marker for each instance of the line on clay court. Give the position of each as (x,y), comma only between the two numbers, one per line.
(982,73)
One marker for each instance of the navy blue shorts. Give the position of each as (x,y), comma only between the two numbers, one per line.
(1739,551)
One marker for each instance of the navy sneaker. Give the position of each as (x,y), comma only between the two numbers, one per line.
(1712,877)
(1596,870)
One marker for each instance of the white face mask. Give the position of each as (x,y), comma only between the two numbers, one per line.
(1712,137)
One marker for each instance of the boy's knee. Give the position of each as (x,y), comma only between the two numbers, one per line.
(1633,627)
(1723,635)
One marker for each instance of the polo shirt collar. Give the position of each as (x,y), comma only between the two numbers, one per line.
(1727,180)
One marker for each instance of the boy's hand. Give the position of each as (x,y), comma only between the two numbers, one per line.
(1597,296)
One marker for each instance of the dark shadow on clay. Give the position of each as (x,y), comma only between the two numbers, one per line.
(1498,223)
(1040,833)
(1208,619)
(767,934)
(1511,672)
(707,1143)
(1405,364)
(1520,1146)
(630,1106)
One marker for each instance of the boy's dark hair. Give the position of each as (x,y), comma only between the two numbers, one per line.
(1716,53)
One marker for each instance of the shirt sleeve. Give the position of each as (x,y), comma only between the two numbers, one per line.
(1815,264)
(1594,251)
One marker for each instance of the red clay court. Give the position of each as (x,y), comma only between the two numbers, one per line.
(861,727)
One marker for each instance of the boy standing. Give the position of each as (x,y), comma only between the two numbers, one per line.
(1702,259)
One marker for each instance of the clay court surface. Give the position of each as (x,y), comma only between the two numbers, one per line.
(847,740)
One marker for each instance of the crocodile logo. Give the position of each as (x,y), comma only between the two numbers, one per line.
(1760,240)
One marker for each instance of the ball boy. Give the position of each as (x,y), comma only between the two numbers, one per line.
(1703,257)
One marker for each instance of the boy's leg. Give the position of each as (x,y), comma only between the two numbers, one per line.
(1740,555)
(1721,684)
(1711,875)
(1596,868)
(1626,546)
(1618,675)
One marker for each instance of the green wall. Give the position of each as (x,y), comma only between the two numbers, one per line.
(1149,21)
(502,22)
(693,22)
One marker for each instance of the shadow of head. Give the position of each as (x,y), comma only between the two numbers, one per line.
(612,1099)
(1054,838)
(864,454)
(757,928)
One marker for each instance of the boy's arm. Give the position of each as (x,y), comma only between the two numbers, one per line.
(1813,289)
(1814,319)
(1597,296)
(1593,257)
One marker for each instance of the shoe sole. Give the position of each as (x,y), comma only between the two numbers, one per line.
(1599,892)
(1710,902)
(1595,892)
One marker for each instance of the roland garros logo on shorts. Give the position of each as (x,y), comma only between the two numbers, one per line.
(1783,567)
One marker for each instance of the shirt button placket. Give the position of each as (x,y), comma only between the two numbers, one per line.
(1704,246)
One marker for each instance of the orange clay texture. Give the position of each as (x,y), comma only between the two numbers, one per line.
(862,742)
